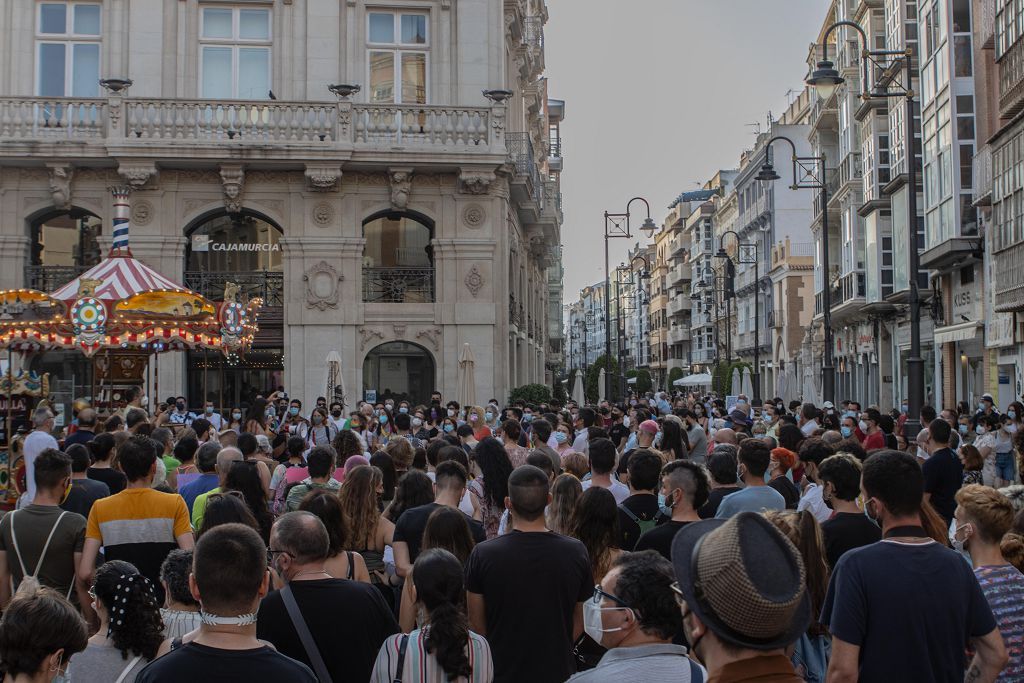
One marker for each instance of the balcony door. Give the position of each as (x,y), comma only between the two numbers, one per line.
(63,245)
(398,260)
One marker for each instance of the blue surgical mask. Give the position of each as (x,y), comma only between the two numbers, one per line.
(964,429)
(489,415)
(980,429)
(981,406)
(448,428)
(403,409)
(1012,414)
(846,431)
(293,411)
(561,437)
(383,419)
(528,418)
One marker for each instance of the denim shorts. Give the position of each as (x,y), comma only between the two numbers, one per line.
(1004,466)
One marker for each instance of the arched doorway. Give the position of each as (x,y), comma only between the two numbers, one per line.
(245,249)
(398,259)
(63,245)
(400,370)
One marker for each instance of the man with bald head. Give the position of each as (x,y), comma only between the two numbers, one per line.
(924,446)
(86,431)
(299,547)
(724,435)
(225,459)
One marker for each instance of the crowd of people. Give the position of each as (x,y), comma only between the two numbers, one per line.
(667,538)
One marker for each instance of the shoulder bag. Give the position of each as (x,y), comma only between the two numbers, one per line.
(308,644)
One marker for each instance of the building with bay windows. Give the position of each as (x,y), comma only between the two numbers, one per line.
(391,223)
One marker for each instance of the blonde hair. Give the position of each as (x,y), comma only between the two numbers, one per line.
(576,464)
(401,452)
(1012,548)
(564,493)
(803,530)
(359,504)
(989,511)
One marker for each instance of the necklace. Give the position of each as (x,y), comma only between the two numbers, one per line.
(310,571)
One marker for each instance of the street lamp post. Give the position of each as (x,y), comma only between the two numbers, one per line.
(809,174)
(638,293)
(617,225)
(825,79)
(746,254)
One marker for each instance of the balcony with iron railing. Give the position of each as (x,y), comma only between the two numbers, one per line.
(194,128)
(1009,278)
(850,289)
(981,170)
(523,159)
(533,33)
(50,278)
(1011,80)
(399,285)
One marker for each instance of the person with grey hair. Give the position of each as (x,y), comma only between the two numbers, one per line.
(180,612)
(341,649)
(225,458)
(35,443)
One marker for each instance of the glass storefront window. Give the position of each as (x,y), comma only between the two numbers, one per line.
(399,370)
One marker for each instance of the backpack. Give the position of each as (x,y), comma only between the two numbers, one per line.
(644,524)
(30,582)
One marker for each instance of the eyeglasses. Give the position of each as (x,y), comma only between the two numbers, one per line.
(677,593)
(92,591)
(599,594)
(271,553)
(225,494)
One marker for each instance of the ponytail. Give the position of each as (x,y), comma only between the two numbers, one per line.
(134,623)
(447,638)
(811,549)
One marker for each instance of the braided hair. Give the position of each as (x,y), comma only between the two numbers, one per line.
(440,589)
(134,623)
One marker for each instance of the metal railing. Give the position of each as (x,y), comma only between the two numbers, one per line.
(49,278)
(521,155)
(1011,80)
(265,284)
(982,171)
(533,33)
(398,285)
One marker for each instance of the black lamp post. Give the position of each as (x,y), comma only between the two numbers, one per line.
(639,301)
(809,174)
(746,254)
(617,225)
(825,79)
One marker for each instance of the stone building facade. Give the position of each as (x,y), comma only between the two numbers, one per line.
(392,225)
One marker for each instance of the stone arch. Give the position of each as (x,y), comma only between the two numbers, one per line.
(401,369)
(398,263)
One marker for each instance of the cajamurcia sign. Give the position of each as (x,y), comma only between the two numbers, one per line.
(222,246)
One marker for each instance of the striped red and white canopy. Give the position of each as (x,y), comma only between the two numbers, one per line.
(121,277)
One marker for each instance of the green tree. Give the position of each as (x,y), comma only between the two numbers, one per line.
(534,394)
(558,392)
(591,389)
(673,375)
(643,380)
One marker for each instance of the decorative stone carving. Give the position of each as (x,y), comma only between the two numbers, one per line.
(323,178)
(474,216)
(431,334)
(399,330)
(322,282)
(474,281)
(142,212)
(323,214)
(366,334)
(401,186)
(476,182)
(60,185)
(232,177)
(190,205)
(137,175)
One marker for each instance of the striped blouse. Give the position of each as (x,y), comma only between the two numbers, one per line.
(422,667)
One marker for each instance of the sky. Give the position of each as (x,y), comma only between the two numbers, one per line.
(659,95)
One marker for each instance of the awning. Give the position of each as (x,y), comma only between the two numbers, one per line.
(631,380)
(955,333)
(702,379)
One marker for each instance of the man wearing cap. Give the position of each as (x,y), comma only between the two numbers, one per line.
(741,587)
(903,608)
(986,406)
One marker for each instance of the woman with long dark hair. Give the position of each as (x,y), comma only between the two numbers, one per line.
(244,477)
(446,648)
(489,488)
(227,507)
(322,431)
(368,532)
(257,419)
(131,630)
(595,523)
(102,469)
(673,440)
(389,477)
(414,489)
(340,563)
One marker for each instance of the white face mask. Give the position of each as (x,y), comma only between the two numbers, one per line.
(625,421)
(417,422)
(592,623)
(863,426)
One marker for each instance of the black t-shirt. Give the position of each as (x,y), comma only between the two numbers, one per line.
(645,507)
(194,662)
(709,509)
(788,490)
(411,525)
(846,531)
(618,433)
(943,475)
(115,481)
(660,538)
(84,492)
(911,608)
(531,583)
(349,621)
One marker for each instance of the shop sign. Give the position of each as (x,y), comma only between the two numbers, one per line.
(965,303)
(999,330)
(865,339)
(203,243)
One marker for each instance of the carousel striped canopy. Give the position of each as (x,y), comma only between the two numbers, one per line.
(120,277)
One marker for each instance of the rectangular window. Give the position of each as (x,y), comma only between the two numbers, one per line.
(235,53)
(68,49)
(398,48)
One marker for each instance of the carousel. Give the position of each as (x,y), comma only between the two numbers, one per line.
(121,314)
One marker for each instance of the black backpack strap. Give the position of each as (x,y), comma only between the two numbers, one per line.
(308,644)
(351,565)
(401,658)
(630,513)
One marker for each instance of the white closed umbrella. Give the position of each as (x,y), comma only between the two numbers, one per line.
(577,389)
(600,384)
(736,382)
(747,384)
(335,390)
(467,377)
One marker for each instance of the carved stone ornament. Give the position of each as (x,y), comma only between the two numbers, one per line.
(142,212)
(366,334)
(323,178)
(232,177)
(137,175)
(323,214)
(474,216)
(476,182)
(399,330)
(322,281)
(401,185)
(431,334)
(60,185)
(474,281)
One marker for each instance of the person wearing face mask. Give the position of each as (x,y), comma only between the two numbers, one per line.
(986,405)
(985,441)
(477,418)
(336,415)
(618,431)
(685,487)
(294,424)
(886,623)
(422,425)
(753,460)
(874,439)
(943,471)
(321,431)
(848,528)
(1005,456)
(633,615)
(849,428)
(695,435)
(812,453)
(454,411)
(983,517)
(235,423)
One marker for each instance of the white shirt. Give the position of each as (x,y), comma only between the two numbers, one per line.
(582,442)
(618,489)
(216,419)
(809,428)
(811,500)
(35,443)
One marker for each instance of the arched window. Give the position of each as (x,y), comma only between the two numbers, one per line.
(399,370)
(64,245)
(398,261)
(240,248)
